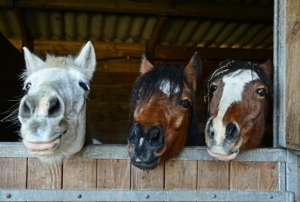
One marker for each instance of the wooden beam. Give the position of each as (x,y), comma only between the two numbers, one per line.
(152,42)
(159,27)
(184,52)
(27,39)
(177,53)
(191,8)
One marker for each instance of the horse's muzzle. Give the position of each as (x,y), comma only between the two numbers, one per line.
(143,146)
(223,141)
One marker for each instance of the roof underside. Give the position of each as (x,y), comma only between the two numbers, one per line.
(243,24)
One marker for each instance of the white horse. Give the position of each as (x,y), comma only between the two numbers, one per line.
(53,111)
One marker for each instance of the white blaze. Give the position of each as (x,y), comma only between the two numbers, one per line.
(234,84)
(141,141)
(166,88)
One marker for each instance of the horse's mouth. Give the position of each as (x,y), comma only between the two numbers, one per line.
(223,157)
(145,165)
(42,146)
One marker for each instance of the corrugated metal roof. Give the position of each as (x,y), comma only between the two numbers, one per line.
(74,25)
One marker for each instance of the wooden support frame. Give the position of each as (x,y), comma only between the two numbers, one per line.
(152,42)
(286,93)
(180,8)
(286,74)
(27,39)
(177,53)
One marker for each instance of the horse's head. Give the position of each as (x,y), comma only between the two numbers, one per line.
(238,107)
(162,108)
(52,112)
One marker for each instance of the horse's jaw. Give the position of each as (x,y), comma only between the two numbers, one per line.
(65,145)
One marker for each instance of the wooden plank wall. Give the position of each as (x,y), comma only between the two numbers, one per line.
(79,173)
(292,69)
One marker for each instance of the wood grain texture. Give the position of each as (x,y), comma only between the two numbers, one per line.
(119,65)
(79,173)
(213,175)
(109,50)
(41,176)
(261,176)
(292,74)
(147,179)
(181,175)
(113,174)
(13,173)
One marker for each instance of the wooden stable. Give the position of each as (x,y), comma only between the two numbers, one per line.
(104,172)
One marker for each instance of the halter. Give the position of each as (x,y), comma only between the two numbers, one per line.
(222,70)
(215,74)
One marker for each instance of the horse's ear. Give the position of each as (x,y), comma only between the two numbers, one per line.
(268,68)
(146,66)
(86,60)
(32,61)
(193,70)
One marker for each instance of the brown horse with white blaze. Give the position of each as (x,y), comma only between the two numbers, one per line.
(163,111)
(238,107)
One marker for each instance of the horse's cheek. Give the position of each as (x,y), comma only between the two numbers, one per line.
(181,119)
(254,110)
(246,132)
(178,122)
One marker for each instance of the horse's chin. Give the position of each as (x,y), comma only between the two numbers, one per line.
(223,157)
(146,165)
(42,146)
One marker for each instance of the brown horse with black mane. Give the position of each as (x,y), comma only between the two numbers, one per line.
(163,111)
(238,107)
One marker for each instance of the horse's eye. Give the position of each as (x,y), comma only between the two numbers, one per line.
(212,88)
(27,86)
(261,92)
(84,86)
(186,103)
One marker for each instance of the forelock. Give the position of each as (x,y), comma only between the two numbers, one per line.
(161,80)
(52,61)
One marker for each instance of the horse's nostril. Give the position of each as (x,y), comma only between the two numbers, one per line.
(209,132)
(134,134)
(232,131)
(155,134)
(25,109)
(54,106)
(156,138)
(212,135)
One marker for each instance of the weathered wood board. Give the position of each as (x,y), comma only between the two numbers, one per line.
(292,69)
(92,174)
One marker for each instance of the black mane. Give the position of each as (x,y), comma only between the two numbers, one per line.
(148,84)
